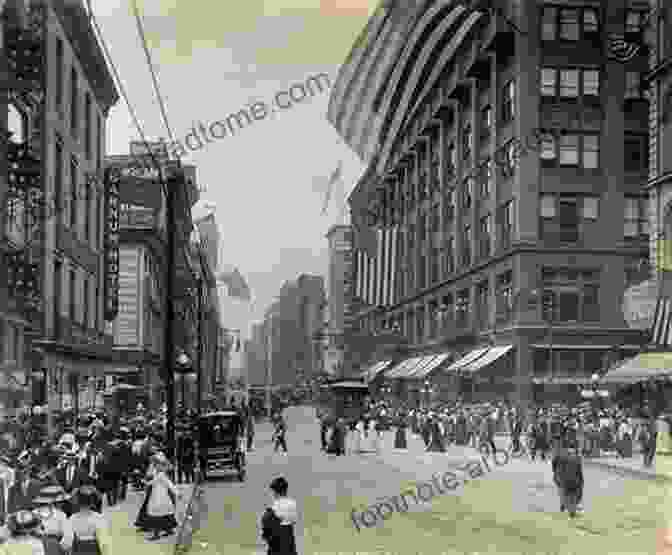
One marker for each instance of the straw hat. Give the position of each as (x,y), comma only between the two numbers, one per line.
(23,522)
(51,494)
(160,460)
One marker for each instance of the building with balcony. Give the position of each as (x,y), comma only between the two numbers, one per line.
(57,207)
(511,166)
(18,300)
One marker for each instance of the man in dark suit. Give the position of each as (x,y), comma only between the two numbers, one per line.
(22,493)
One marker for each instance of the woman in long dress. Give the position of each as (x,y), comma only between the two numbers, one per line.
(400,435)
(141,520)
(90,531)
(162,500)
(359,436)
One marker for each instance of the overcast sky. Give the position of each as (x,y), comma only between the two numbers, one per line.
(215,59)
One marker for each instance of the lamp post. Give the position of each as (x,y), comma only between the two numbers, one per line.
(183,362)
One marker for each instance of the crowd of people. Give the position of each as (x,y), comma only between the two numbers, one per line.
(52,492)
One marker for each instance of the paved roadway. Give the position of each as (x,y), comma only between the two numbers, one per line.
(326,487)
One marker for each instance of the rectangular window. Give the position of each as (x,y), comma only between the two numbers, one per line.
(548,207)
(571,295)
(569,24)
(485,180)
(636,221)
(482,306)
(569,219)
(467,143)
(451,160)
(72,297)
(509,102)
(74,194)
(485,234)
(74,102)
(449,266)
(591,22)
(591,152)
(510,152)
(549,82)
(462,308)
(549,23)
(590,208)
(569,150)
(636,152)
(633,85)
(93,233)
(591,82)
(85,299)
(87,126)
(569,83)
(466,246)
(486,121)
(634,21)
(504,296)
(467,193)
(548,151)
(60,76)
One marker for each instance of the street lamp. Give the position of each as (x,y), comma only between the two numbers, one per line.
(183,368)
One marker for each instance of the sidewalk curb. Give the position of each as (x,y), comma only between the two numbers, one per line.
(630,472)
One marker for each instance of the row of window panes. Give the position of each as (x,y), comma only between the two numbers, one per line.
(587,207)
(10,342)
(570,24)
(636,217)
(570,83)
(79,295)
(571,149)
(74,107)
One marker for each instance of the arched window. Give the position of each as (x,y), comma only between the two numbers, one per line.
(17,124)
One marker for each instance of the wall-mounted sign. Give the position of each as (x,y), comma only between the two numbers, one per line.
(112,178)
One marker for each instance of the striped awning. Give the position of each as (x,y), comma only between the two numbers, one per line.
(562,380)
(488,358)
(403,368)
(430,366)
(470,357)
(661,330)
(419,368)
(372,371)
(641,368)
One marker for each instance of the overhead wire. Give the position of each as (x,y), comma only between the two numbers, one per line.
(124,95)
(152,70)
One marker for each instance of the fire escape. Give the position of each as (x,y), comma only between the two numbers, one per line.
(24,205)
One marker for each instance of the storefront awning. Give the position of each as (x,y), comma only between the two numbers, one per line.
(372,371)
(467,359)
(562,380)
(488,358)
(432,364)
(403,368)
(424,361)
(641,368)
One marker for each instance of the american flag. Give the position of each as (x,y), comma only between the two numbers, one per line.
(661,330)
(375,276)
(620,49)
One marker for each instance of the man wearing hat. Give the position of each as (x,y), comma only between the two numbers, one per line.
(55,523)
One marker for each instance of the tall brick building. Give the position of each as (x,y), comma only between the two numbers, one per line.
(513,167)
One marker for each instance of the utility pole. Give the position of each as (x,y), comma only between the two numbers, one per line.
(199,352)
(269,367)
(168,347)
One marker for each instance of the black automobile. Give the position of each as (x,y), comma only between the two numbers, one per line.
(222,443)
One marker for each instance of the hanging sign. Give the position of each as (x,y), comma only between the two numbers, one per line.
(112,178)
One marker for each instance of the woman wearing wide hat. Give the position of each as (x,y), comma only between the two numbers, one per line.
(90,532)
(23,540)
(55,524)
(162,499)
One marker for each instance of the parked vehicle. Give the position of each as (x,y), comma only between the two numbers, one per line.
(222,443)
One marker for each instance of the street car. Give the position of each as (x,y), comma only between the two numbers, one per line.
(222,443)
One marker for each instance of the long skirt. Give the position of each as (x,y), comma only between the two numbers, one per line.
(85,547)
(141,521)
(400,439)
(164,523)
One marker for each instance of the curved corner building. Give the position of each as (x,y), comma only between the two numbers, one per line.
(506,180)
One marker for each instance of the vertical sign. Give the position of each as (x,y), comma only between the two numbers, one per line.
(112,178)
